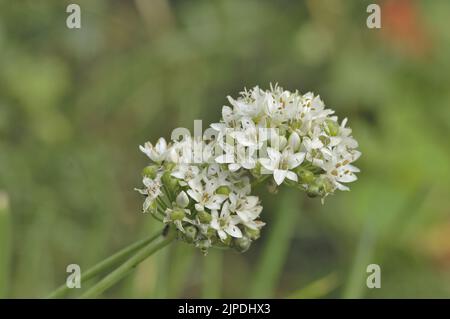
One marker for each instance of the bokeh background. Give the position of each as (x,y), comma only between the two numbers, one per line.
(75,105)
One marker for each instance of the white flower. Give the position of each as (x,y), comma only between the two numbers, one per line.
(185,173)
(249,135)
(152,191)
(217,173)
(247,208)
(225,223)
(205,195)
(281,164)
(341,171)
(249,108)
(156,153)
(177,222)
(238,156)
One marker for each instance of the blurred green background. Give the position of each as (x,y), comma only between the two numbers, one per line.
(75,105)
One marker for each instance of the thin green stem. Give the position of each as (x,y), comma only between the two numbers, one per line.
(161,211)
(169,195)
(127,266)
(156,217)
(259,180)
(107,263)
(161,203)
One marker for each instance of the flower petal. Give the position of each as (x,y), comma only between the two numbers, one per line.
(279,176)
(233,231)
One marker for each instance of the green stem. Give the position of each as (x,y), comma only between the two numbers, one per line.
(126,267)
(259,180)
(161,210)
(156,217)
(161,203)
(168,194)
(107,263)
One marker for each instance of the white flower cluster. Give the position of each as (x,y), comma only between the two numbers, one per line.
(204,188)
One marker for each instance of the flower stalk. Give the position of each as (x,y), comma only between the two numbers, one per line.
(129,265)
(107,263)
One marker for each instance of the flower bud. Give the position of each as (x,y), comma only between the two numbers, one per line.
(313,190)
(320,187)
(190,233)
(306,176)
(150,171)
(203,245)
(204,217)
(177,214)
(282,142)
(253,234)
(332,128)
(294,141)
(211,233)
(226,241)
(217,241)
(223,190)
(242,244)
(182,200)
(325,185)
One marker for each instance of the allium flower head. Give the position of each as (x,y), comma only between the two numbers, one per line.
(203,188)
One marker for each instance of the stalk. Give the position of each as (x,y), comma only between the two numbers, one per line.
(128,266)
(107,263)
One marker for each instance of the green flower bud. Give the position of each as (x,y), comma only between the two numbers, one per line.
(227,241)
(190,233)
(203,245)
(223,190)
(150,171)
(204,217)
(253,234)
(177,214)
(332,127)
(211,233)
(313,190)
(306,176)
(325,185)
(324,139)
(320,187)
(296,124)
(242,244)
